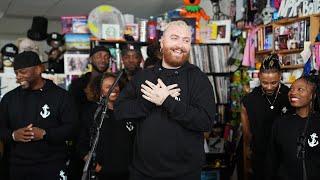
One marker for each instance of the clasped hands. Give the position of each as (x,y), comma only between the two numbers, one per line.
(28,133)
(157,94)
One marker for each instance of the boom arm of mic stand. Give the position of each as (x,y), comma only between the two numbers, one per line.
(94,145)
(96,139)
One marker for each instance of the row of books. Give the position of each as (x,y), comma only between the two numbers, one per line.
(264,38)
(316,55)
(292,36)
(210,58)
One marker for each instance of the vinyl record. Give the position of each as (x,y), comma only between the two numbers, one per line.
(104,14)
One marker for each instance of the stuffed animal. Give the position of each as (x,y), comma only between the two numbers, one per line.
(192,9)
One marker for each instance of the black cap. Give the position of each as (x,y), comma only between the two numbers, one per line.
(56,38)
(130,45)
(26,59)
(99,48)
(9,50)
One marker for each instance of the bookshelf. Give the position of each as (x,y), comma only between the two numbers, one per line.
(287,38)
(296,66)
(114,41)
(290,20)
(264,52)
(288,51)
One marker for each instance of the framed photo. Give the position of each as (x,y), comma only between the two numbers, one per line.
(132,30)
(79,25)
(74,24)
(223,30)
(76,64)
(283,41)
(58,79)
(77,41)
(110,31)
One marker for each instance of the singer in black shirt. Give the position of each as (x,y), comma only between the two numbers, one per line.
(295,148)
(259,109)
(115,143)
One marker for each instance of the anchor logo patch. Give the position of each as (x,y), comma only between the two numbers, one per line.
(45,111)
(313,142)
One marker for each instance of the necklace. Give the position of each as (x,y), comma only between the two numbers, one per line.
(275,98)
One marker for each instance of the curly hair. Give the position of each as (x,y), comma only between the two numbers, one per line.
(314,81)
(93,89)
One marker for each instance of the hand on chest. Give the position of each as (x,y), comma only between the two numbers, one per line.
(158,90)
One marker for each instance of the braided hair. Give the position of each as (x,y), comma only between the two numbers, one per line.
(270,64)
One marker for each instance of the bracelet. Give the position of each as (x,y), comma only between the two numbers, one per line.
(44,133)
(13,136)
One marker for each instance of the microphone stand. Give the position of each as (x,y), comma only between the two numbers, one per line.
(103,104)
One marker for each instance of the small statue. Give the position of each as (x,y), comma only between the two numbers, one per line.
(267,13)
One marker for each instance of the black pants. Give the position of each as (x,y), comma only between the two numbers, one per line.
(135,175)
(4,174)
(258,167)
(75,168)
(49,171)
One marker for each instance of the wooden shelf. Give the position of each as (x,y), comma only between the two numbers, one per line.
(296,66)
(289,51)
(208,43)
(109,40)
(114,41)
(290,20)
(264,52)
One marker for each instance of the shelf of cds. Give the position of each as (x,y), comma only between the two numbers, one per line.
(212,59)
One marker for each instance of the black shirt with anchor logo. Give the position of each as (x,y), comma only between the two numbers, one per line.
(50,108)
(283,161)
